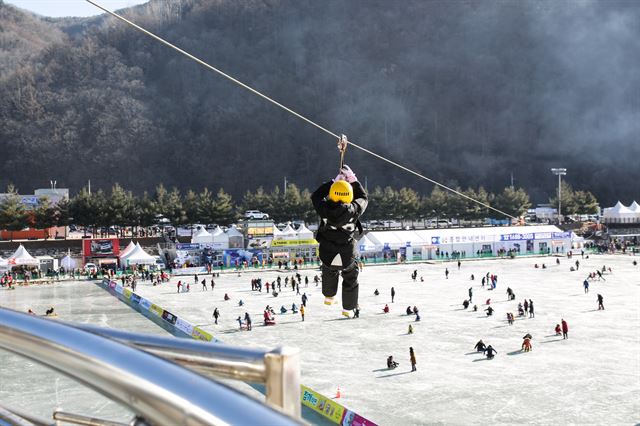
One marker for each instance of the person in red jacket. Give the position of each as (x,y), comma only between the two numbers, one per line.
(558,330)
(565,329)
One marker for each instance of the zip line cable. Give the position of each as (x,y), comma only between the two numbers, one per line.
(289,110)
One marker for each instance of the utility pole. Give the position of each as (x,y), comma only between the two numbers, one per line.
(559,172)
(285,185)
(89,186)
(511,180)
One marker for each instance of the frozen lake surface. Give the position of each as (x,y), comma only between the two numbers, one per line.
(38,390)
(591,378)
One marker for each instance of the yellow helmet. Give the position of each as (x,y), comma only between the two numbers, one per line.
(341,192)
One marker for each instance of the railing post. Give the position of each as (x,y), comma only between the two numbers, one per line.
(283,380)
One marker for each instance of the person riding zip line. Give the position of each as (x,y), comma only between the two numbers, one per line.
(340,203)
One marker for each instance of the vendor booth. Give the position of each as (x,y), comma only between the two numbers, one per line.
(235,238)
(290,245)
(22,263)
(138,256)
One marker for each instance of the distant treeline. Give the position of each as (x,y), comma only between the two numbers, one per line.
(121,207)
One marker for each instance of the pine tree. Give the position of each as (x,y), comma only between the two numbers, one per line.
(13,216)
(224,210)
(513,201)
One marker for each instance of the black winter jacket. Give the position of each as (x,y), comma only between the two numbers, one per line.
(338,221)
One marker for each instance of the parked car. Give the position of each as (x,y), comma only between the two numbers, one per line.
(440,223)
(376,224)
(255,214)
(90,268)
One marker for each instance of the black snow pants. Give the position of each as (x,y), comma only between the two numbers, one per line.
(349,270)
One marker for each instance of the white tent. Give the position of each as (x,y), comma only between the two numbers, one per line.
(235,237)
(138,256)
(288,233)
(3,263)
(22,257)
(277,234)
(621,214)
(68,262)
(635,207)
(366,245)
(202,236)
(126,251)
(304,233)
(220,239)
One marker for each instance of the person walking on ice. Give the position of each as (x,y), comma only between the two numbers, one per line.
(585,284)
(600,302)
(393,294)
(412,358)
(565,329)
(340,203)
(526,343)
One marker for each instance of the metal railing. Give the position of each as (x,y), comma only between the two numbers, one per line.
(160,391)
(277,369)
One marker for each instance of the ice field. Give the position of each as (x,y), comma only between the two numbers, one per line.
(591,378)
(38,390)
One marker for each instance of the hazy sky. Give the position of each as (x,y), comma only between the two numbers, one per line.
(58,8)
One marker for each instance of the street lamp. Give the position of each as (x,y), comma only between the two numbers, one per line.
(559,172)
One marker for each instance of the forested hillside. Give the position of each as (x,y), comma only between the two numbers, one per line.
(466,92)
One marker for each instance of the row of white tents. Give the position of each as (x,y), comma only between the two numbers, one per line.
(290,233)
(622,214)
(133,254)
(222,239)
(21,257)
(218,236)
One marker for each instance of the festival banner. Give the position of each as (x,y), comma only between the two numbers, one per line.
(144,303)
(155,309)
(126,293)
(187,246)
(355,419)
(107,247)
(135,298)
(168,317)
(184,326)
(200,334)
(286,243)
(320,404)
(119,288)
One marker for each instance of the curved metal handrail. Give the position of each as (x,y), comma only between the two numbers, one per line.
(278,369)
(158,390)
